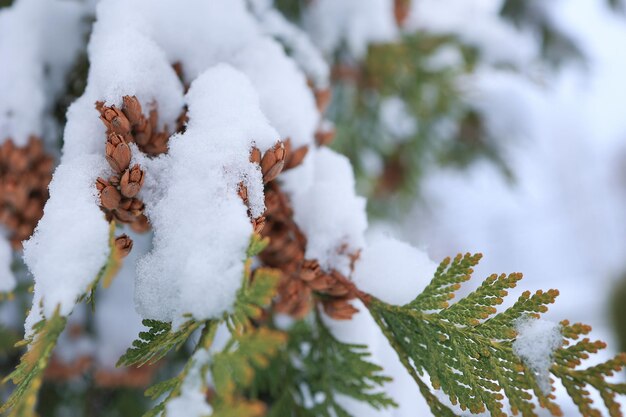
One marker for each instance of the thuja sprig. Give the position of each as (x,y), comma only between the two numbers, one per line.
(314,369)
(466,348)
(577,381)
(154,344)
(28,375)
(248,349)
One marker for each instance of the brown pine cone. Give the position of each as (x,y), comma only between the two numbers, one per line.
(131,181)
(117,152)
(273,162)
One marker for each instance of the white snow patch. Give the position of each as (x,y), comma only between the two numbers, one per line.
(39,41)
(71,242)
(536,341)
(280,85)
(392,270)
(397,119)
(201,226)
(355,23)
(192,399)
(327,209)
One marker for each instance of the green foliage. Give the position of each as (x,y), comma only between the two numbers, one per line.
(314,364)
(28,375)
(404,70)
(233,369)
(578,381)
(154,344)
(171,388)
(557,46)
(108,270)
(466,347)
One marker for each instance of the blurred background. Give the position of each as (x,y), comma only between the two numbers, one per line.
(493,126)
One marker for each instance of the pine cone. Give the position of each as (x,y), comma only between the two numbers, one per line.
(25,173)
(131,181)
(124,245)
(294,157)
(117,152)
(273,162)
(110,198)
(115,121)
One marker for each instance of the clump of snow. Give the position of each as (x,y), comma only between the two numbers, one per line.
(71,242)
(192,399)
(355,23)
(326,208)
(7,280)
(392,270)
(296,121)
(536,341)
(201,226)
(397,119)
(38,43)
(297,41)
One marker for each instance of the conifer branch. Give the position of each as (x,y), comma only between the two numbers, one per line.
(314,364)
(28,375)
(466,348)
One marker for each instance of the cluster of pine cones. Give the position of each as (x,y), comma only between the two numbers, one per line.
(25,173)
(118,193)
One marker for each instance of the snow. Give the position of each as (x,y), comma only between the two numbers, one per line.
(536,341)
(297,121)
(355,23)
(201,226)
(71,243)
(131,50)
(40,40)
(396,118)
(306,55)
(392,270)
(476,23)
(7,280)
(116,322)
(327,209)
(192,399)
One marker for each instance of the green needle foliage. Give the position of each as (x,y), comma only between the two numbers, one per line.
(466,348)
(315,365)
(154,344)
(232,369)
(28,375)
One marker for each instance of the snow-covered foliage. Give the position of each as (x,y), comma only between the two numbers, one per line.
(231,84)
